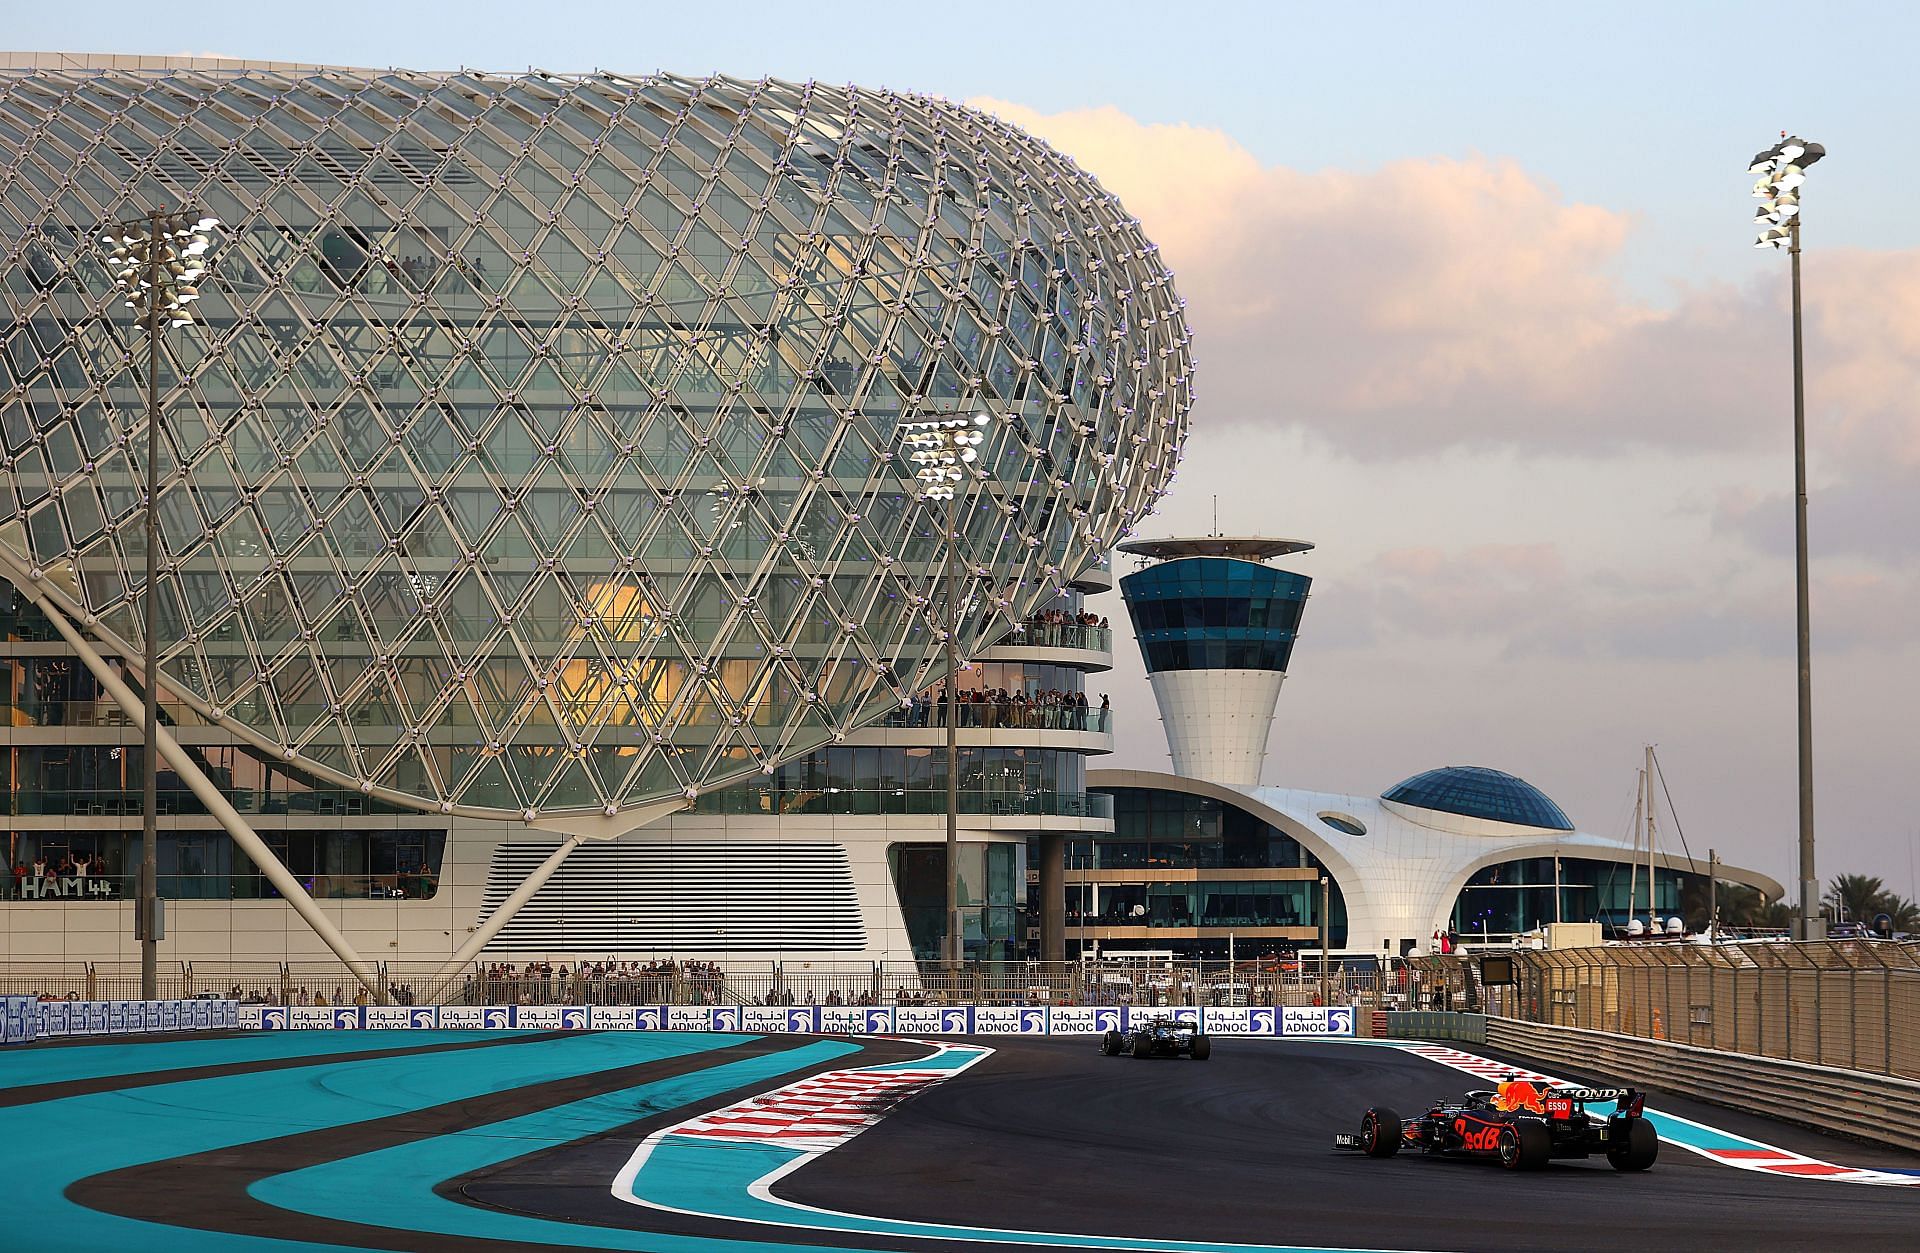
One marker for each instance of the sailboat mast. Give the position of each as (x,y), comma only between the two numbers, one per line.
(1633,862)
(1653,898)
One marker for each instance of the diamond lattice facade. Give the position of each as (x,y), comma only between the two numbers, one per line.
(536,452)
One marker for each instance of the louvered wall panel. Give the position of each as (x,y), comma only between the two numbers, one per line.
(681,897)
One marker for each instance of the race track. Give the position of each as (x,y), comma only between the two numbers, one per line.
(445,1140)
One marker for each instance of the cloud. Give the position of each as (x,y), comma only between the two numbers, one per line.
(1436,302)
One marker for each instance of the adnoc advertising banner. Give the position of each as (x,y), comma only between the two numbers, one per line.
(931,1020)
(779,1019)
(1009,1020)
(1141,1015)
(1316,1020)
(689,1018)
(610,1018)
(397,1017)
(477,1017)
(1238,1020)
(550,1017)
(856,1019)
(1084,1019)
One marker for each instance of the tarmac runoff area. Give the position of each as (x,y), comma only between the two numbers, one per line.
(435,1141)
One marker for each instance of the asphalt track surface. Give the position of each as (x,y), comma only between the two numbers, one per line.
(441,1141)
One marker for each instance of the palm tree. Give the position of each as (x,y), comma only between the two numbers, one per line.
(1857,896)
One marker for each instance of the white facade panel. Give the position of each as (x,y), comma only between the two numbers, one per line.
(1217,721)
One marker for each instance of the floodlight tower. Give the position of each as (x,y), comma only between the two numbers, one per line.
(1782,170)
(941,448)
(158,259)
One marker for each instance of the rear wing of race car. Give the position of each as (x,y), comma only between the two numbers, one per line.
(1630,1102)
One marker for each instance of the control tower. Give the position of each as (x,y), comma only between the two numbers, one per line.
(1216,626)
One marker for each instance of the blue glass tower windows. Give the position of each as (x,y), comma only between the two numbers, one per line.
(1215,613)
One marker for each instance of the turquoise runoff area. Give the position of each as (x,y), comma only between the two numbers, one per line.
(48,1147)
(397,1184)
(63,1063)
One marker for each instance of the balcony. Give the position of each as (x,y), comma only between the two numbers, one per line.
(900,801)
(996,716)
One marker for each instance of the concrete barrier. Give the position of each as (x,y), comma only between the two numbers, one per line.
(1879,1108)
(1434,1025)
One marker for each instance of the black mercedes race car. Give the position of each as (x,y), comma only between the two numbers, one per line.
(1160,1037)
(1521,1125)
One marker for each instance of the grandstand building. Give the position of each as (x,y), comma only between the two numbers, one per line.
(542,570)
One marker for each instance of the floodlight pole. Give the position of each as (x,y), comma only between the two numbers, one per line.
(954,947)
(1809,881)
(148,919)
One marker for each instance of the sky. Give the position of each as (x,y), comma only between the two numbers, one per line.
(1475,311)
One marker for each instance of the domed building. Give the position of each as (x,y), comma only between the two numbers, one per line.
(546,454)
(1205,852)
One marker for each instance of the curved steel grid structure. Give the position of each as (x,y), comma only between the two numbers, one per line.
(538,451)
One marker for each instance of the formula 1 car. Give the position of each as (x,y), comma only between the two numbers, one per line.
(1520,1124)
(1159,1037)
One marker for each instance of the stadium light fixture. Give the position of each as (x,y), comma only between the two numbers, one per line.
(156,259)
(1783,172)
(941,450)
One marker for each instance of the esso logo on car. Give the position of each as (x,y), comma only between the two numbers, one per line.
(1559,1107)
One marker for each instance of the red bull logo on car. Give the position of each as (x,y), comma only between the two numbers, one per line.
(1516,1095)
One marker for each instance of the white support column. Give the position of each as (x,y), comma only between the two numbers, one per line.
(484,933)
(217,804)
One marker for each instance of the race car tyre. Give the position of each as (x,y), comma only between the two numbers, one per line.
(1380,1132)
(1143,1045)
(1111,1043)
(1635,1150)
(1202,1048)
(1524,1145)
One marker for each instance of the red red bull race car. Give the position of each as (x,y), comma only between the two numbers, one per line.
(1520,1124)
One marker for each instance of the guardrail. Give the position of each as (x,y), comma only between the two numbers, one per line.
(1881,1108)
(24,1019)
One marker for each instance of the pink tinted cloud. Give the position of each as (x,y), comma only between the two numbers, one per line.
(1436,301)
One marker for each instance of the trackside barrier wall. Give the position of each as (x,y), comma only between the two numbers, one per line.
(27,1018)
(1259,1020)
(1881,1108)
(1434,1025)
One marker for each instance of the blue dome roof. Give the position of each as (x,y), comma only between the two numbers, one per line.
(1477,792)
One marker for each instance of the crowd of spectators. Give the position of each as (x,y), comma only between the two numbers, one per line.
(1050,709)
(598,983)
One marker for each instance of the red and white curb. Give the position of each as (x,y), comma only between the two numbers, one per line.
(1750,1155)
(818,1113)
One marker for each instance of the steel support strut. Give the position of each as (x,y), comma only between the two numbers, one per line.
(210,795)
